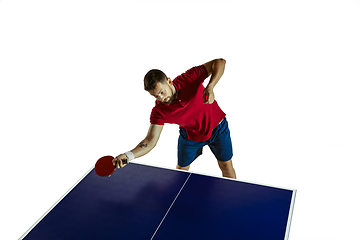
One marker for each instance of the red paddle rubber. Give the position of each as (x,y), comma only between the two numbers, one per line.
(104,167)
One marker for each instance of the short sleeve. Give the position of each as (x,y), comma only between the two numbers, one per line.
(156,117)
(198,73)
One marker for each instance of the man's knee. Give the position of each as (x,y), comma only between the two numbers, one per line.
(227,169)
(225,164)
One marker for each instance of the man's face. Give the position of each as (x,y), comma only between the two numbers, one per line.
(164,92)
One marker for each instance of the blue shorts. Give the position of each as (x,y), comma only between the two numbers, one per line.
(219,143)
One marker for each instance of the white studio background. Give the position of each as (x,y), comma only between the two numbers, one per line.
(71,91)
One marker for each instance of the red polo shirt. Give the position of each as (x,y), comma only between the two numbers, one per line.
(188,110)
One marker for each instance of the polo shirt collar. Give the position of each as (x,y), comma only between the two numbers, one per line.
(178,92)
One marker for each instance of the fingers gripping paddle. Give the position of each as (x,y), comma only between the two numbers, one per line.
(104,166)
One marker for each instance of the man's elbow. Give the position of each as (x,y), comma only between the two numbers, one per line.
(151,143)
(218,63)
(223,61)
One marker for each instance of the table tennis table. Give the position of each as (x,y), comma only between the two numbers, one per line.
(143,202)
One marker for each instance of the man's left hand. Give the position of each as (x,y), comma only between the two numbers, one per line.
(208,96)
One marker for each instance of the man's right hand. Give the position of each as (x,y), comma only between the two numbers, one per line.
(120,161)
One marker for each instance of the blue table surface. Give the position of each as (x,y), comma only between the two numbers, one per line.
(134,204)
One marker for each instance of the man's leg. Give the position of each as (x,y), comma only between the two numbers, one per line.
(183,168)
(227,169)
(221,146)
(188,150)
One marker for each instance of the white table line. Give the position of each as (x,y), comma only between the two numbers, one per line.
(170,206)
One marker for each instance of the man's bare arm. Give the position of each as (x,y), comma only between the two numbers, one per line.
(216,69)
(144,147)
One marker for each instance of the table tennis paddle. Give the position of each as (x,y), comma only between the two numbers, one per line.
(104,166)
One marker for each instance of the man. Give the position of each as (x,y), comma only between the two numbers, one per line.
(186,102)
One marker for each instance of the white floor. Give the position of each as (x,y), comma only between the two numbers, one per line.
(71,91)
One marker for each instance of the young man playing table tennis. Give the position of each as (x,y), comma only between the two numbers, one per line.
(186,102)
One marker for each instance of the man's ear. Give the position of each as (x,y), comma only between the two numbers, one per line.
(169,81)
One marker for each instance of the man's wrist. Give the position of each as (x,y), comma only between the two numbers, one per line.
(130,156)
(210,86)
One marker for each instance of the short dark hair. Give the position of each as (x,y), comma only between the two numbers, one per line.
(152,78)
